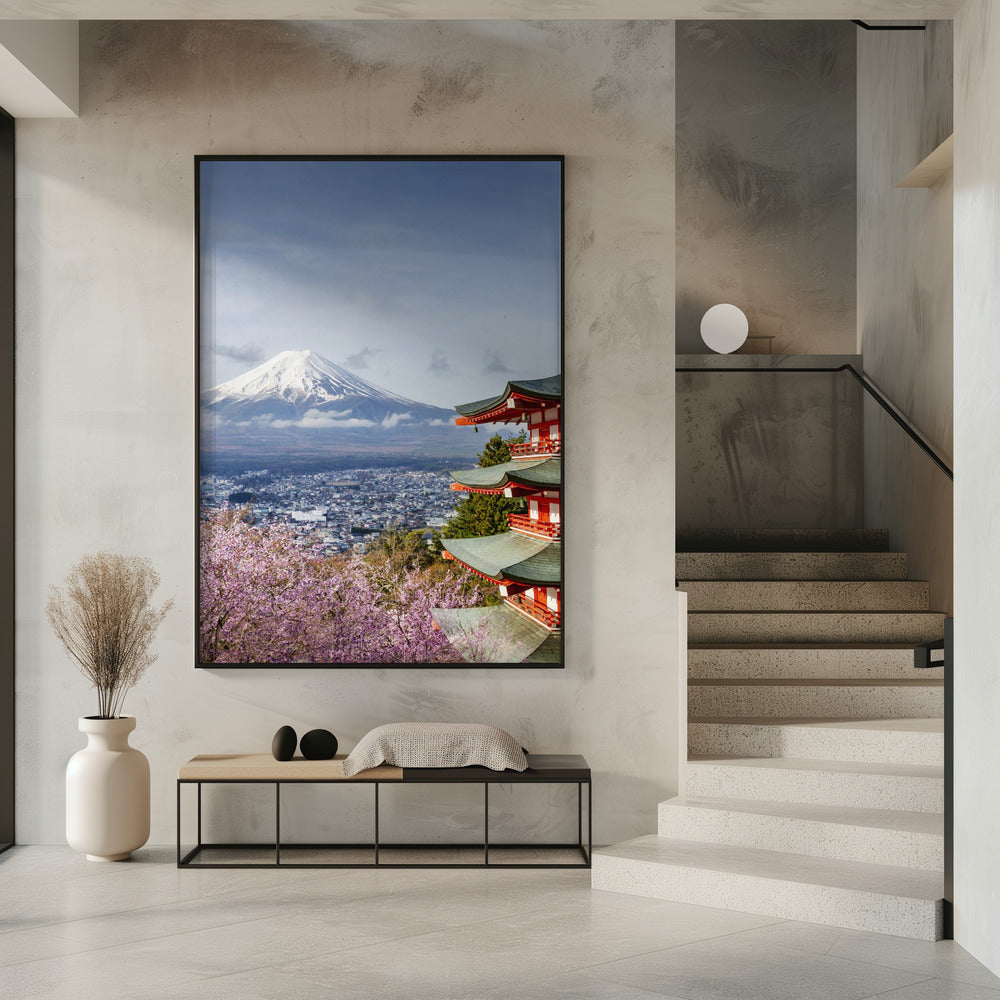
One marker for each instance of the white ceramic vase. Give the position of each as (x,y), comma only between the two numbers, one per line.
(107,792)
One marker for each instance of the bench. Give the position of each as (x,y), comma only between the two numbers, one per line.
(263,769)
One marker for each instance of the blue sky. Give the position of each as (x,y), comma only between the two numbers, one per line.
(438,280)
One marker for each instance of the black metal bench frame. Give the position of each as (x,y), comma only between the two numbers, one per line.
(542,769)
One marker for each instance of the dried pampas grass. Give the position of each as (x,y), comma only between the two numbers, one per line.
(106,624)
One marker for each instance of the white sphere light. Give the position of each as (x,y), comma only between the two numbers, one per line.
(724,328)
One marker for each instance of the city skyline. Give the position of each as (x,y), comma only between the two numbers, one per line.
(334,511)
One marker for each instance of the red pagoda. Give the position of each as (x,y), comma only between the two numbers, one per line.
(525,562)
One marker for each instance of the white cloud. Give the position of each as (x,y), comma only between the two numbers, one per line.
(321,419)
(394,419)
(248,353)
(361,360)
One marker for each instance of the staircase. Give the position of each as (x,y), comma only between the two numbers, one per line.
(815,777)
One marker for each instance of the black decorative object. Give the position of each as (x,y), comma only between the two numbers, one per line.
(283,744)
(318,744)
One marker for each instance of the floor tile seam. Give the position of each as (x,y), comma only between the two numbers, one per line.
(895,989)
(51,925)
(197,977)
(194,977)
(531,908)
(812,951)
(882,965)
(160,937)
(639,990)
(46,929)
(493,919)
(921,977)
(938,976)
(626,898)
(128,908)
(681,944)
(925,977)
(267,965)
(233,890)
(799,951)
(50,880)
(293,962)
(4,931)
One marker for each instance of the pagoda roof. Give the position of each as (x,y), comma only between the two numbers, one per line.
(510,556)
(510,637)
(549,651)
(542,473)
(542,390)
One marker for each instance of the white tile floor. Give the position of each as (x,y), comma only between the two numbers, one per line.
(78,930)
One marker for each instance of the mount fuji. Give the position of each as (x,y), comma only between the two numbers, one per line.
(300,387)
(301,403)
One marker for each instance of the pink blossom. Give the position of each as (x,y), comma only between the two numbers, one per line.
(264,599)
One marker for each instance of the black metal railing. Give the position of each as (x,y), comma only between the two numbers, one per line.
(866,383)
(926,657)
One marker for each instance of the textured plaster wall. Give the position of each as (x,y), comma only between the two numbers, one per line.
(905,291)
(768,450)
(105,369)
(766,180)
(977,486)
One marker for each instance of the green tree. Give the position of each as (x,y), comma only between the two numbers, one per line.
(400,549)
(485,513)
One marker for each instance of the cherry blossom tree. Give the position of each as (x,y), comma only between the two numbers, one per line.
(267,599)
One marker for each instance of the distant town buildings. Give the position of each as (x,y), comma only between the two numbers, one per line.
(335,513)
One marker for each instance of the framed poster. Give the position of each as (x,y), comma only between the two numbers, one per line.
(379,344)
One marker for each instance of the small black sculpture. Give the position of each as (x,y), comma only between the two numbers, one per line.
(283,744)
(318,744)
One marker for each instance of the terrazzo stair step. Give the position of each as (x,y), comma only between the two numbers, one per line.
(805,595)
(780,627)
(875,741)
(881,898)
(894,699)
(791,566)
(873,662)
(861,785)
(784,540)
(871,836)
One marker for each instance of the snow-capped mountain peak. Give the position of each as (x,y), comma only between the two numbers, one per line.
(299,405)
(298,378)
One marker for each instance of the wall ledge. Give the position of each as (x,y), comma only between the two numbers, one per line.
(932,168)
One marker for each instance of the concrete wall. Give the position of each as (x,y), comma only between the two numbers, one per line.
(106,397)
(765,180)
(977,488)
(905,291)
(767,449)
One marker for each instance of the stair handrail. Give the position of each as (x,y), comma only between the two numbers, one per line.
(869,386)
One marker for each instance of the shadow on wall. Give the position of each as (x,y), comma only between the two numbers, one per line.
(768,450)
(766,192)
(908,494)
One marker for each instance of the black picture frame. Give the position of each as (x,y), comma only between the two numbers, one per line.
(438,277)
